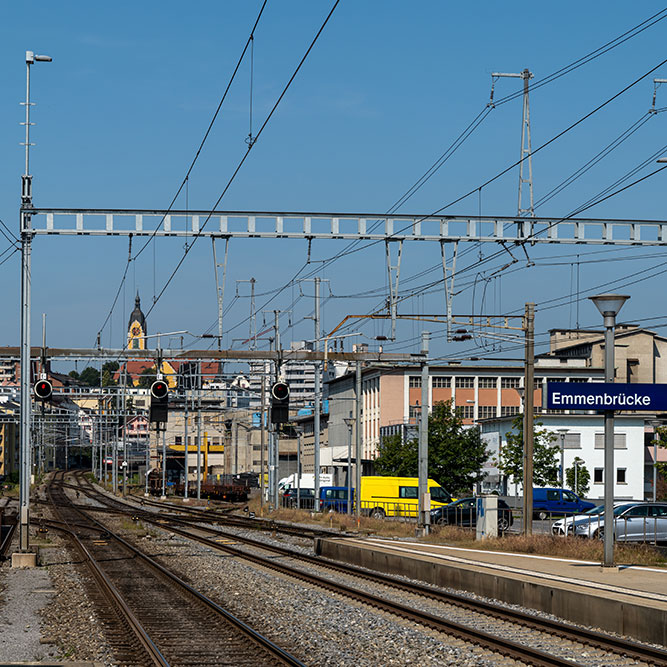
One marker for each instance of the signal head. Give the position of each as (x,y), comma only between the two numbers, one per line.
(159,389)
(280,391)
(43,390)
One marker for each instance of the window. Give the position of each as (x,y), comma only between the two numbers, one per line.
(465,382)
(569,496)
(510,383)
(509,410)
(619,441)
(439,381)
(178,440)
(552,495)
(415,381)
(486,383)
(640,510)
(657,510)
(466,411)
(620,476)
(415,411)
(572,441)
(597,476)
(632,370)
(407,492)
(486,411)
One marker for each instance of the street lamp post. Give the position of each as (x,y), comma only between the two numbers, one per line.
(609,306)
(26,242)
(655,423)
(562,432)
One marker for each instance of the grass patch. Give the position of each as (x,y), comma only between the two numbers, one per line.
(574,548)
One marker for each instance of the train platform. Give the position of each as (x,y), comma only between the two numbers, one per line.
(629,600)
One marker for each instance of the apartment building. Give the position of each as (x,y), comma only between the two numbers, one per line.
(391,396)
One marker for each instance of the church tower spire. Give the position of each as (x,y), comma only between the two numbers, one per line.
(136,328)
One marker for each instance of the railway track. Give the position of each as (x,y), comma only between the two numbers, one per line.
(8,523)
(533,631)
(154,616)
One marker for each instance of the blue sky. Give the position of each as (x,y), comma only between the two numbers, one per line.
(389,85)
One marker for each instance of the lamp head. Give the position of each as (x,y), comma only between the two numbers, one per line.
(609,304)
(31,58)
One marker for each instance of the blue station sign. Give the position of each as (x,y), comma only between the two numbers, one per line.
(606,396)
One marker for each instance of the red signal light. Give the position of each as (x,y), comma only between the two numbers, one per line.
(43,390)
(280,391)
(159,389)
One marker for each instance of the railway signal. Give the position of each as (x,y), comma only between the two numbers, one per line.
(43,390)
(279,403)
(159,401)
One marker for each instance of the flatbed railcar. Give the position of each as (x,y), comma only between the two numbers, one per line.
(232,493)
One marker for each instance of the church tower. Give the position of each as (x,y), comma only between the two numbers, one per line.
(136,329)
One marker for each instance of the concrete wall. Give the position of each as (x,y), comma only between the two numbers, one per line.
(644,622)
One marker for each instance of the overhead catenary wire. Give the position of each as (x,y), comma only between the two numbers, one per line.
(245,156)
(617,41)
(199,148)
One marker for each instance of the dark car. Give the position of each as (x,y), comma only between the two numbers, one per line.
(306,496)
(463,512)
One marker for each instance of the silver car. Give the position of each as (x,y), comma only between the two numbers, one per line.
(633,522)
(566,524)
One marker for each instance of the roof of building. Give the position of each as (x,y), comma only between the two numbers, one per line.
(629,330)
(460,369)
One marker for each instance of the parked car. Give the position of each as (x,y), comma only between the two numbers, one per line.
(306,498)
(334,498)
(633,522)
(551,501)
(567,523)
(463,512)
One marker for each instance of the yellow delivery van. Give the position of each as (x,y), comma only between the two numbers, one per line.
(397,496)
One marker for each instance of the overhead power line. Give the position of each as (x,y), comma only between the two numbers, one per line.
(244,158)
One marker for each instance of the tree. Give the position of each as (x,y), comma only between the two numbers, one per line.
(147,377)
(545,465)
(90,376)
(455,454)
(661,466)
(107,379)
(108,369)
(74,374)
(582,476)
(111,366)
(396,457)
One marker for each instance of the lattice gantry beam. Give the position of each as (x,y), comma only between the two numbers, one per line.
(346,226)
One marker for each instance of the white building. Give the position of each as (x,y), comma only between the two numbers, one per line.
(584,439)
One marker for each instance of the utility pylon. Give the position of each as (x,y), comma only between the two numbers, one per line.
(252,333)
(317,403)
(220,286)
(526,151)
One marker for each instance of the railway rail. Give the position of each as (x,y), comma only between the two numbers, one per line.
(549,631)
(157,618)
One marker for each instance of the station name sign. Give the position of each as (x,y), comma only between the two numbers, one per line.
(606,396)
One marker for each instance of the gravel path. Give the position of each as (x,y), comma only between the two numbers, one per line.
(23,594)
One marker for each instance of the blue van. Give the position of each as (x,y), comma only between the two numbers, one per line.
(334,498)
(558,501)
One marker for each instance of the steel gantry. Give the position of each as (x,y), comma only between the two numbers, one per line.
(226,225)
